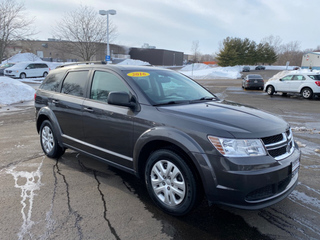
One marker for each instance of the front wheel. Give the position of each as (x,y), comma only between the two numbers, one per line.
(49,141)
(270,90)
(171,184)
(307,93)
(23,75)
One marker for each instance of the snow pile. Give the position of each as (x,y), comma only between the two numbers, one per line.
(214,73)
(195,67)
(23,57)
(14,91)
(134,62)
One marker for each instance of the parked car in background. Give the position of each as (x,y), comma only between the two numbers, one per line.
(27,69)
(178,137)
(246,69)
(307,84)
(260,67)
(4,66)
(253,81)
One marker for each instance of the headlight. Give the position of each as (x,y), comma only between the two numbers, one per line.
(238,147)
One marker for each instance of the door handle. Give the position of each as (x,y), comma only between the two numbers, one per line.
(88,109)
(55,101)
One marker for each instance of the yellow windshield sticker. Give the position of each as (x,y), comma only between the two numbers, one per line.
(138,74)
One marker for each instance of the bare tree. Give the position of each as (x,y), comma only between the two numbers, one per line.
(273,41)
(83,29)
(13,24)
(195,51)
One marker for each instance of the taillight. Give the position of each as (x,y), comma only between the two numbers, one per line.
(318,83)
(35,95)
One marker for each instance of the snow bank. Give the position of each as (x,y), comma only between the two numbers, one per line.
(23,57)
(212,73)
(134,62)
(195,67)
(14,91)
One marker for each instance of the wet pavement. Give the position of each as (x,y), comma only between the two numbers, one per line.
(76,197)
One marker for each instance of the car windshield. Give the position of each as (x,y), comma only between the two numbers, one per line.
(6,65)
(169,87)
(314,77)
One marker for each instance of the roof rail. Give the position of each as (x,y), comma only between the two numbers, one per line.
(82,63)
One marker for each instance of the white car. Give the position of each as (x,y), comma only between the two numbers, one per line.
(27,69)
(307,84)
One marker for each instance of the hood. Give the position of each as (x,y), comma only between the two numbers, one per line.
(223,118)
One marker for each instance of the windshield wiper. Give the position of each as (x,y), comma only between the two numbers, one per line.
(171,102)
(206,98)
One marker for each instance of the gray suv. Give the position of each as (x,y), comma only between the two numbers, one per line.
(171,132)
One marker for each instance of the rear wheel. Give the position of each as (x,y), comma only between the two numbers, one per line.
(171,183)
(270,90)
(307,93)
(49,141)
(45,74)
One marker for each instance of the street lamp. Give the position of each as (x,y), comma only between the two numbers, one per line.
(107,12)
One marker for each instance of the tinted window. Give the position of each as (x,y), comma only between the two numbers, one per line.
(314,77)
(103,83)
(75,83)
(52,82)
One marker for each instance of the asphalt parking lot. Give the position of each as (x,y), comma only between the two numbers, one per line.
(76,197)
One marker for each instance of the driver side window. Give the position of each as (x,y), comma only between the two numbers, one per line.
(103,83)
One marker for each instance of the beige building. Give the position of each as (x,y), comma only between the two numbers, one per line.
(54,50)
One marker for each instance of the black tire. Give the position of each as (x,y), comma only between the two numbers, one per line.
(307,93)
(45,74)
(270,90)
(49,141)
(23,75)
(175,191)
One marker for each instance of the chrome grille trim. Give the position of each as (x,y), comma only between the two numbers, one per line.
(286,142)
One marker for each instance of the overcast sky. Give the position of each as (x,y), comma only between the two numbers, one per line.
(175,24)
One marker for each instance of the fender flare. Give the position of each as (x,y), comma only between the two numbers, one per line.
(49,114)
(184,142)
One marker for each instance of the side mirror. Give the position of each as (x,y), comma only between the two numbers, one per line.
(280,79)
(121,99)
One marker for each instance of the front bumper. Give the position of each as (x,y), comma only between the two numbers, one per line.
(253,186)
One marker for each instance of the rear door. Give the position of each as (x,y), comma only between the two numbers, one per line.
(296,82)
(67,106)
(108,129)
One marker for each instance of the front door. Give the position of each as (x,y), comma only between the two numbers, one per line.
(108,129)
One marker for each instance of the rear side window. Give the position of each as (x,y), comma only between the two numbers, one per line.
(314,77)
(52,82)
(74,83)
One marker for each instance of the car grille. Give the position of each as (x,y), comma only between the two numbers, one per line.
(280,146)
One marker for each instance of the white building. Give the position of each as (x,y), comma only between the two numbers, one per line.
(311,60)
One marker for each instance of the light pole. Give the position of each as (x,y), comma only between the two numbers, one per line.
(107,12)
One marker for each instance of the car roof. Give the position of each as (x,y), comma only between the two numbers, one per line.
(254,76)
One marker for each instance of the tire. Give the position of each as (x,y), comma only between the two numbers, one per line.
(307,93)
(45,74)
(23,75)
(171,184)
(270,90)
(49,141)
